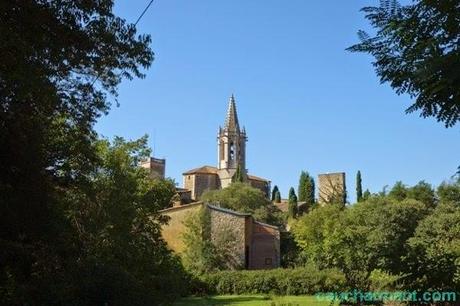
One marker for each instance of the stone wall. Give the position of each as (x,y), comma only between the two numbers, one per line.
(234,225)
(172,232)
(332,188)
(250,244)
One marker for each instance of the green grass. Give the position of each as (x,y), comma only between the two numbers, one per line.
(252,300)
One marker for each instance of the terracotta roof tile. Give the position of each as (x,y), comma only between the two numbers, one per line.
(202,170)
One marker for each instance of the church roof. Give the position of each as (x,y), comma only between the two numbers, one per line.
(202,170)
(231,121)
(256,178)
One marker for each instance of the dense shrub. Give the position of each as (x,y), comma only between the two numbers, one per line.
(296,281)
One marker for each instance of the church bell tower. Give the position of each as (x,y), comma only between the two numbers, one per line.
(231,143)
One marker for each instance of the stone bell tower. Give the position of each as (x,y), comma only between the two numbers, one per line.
(231,146)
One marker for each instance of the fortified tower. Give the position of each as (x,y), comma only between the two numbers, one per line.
(231,146)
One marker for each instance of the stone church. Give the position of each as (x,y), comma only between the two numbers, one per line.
(231,152)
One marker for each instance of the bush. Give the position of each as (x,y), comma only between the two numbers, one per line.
(298,281)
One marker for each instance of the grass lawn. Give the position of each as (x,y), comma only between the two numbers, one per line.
(253,300)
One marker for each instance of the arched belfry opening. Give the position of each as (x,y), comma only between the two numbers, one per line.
(231,141)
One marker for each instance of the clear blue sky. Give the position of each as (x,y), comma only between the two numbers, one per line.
(306,103)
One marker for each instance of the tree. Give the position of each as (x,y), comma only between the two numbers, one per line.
(398,192)
(361,238)
(449,192)
(238,196)
(310,188)
(434,256)
(366,195)
(277,197)
(244,198)
(301,190)
(205,252)
(359,187)
(59,64)
(238,176)
(292,204)
(416,51)
(422,192)
(274,191)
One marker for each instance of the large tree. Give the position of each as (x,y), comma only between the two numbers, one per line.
(417,50)
(60,65)
(59,61)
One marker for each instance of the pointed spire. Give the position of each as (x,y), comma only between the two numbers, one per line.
(231,122)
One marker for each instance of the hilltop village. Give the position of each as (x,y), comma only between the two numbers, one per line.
(257,243)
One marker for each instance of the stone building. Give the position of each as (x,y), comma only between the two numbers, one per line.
(256,244)
(332,188)
(155,166)
(231,155)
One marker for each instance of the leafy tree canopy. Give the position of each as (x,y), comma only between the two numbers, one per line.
(416,49)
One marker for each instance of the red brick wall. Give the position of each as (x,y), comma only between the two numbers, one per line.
(264,248)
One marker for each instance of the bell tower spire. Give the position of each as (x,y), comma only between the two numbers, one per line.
(231,144)
(231,121)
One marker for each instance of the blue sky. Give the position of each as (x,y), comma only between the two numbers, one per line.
(306,103)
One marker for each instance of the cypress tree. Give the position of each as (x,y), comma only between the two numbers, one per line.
(359,187)
(292,205)
(301,190)
(277,197)
(238,176)
(274,191)
(310,192)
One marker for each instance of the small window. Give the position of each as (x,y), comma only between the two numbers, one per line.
(268,261)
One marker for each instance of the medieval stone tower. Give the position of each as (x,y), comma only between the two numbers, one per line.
(231,146)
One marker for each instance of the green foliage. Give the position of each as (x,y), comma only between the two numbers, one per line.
(68,234)
(238,196)
(299,281)
(366,195)
(292,204)
(383,281)
(398,192)
(434,257)
(359,187)
(238,176)
(301,190)
(366,236)
(422,192)
(449,192)
(310,188)
(306,191)
(244,198)
(118,222)
(274,191)
(290,251)
(314,233)
(416,51)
